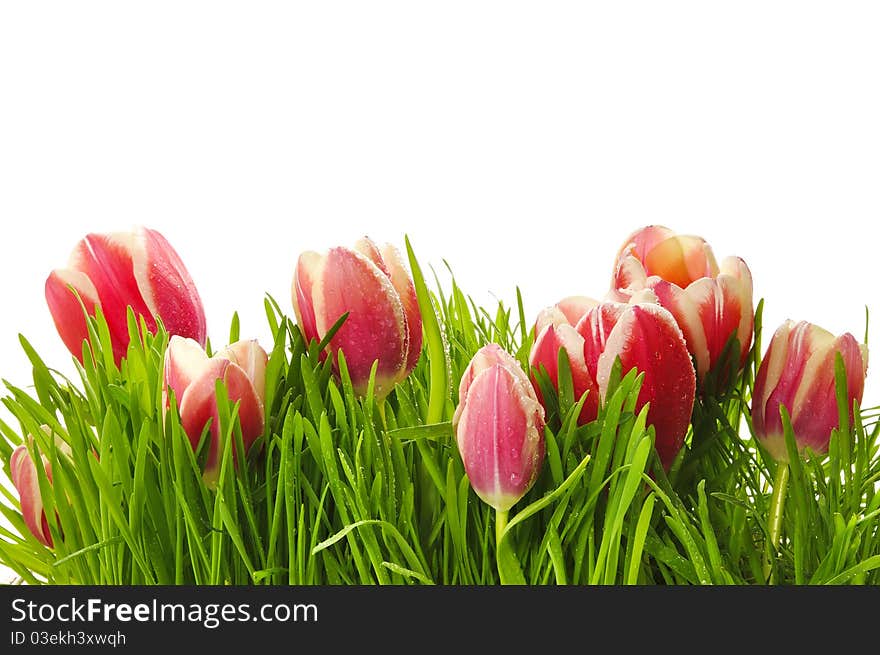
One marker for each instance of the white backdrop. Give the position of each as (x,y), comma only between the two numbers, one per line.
(521,142)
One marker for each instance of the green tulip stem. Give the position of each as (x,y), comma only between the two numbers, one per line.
(500,526)
(777,506)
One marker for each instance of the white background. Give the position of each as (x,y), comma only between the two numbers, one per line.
(521,142)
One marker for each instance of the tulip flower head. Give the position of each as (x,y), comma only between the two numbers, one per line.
(373,287)
(192,375)
(555,330)
(499,427)
(137,269)
(712,304)
(797,372)
(25,479)
(644,336)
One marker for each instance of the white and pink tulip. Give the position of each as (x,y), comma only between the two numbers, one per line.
(797,372)
(711,304)
(374,288)
(192,375)
(555,331)
(137,269)
(646,337)
(25,479)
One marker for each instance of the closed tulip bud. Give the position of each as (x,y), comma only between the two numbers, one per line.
(797,372)
(557,333)
(712,305)
(376,291)
(499,427)
(192,375)
(25,479)
(137,269)
(646,337)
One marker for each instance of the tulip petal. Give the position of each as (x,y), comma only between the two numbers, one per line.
(198,405)
(685,305)
(644,240)
(575,307)
(629,275)
(681,260)
(376,325)
(184,362)
(368,248)
(647,337)
(107,261)
(803,341)
(308,269)
(252,359)
(406,290)
(23,472)
(545,353)
(250,408)
(67,313)
(486,357)
(500,441)
(166,287)
(814,411)
(737,279)
(766,421)
(595,327)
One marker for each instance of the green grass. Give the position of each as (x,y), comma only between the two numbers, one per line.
(344,490)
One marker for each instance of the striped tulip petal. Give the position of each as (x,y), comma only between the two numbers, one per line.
(193,376)
(67,312)
(308,268)
(371,286)
(406,290)
(138,270)
(797,372)
(167,289)
(25,479)
(545,354)
(376,325)
(595,328)
(646,337)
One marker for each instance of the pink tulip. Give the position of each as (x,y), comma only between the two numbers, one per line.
(499,426)
(555,331)
(192,375)
(137,269)
(378,294)
(644,336)
(25,480)
(797,372)
(710,304)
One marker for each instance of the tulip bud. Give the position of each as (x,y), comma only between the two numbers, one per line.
(557,333)
(644,336)
(136,269)
(797,372)
(25,479)
(499,427)
(192,375)
(711,305)
(374,288)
